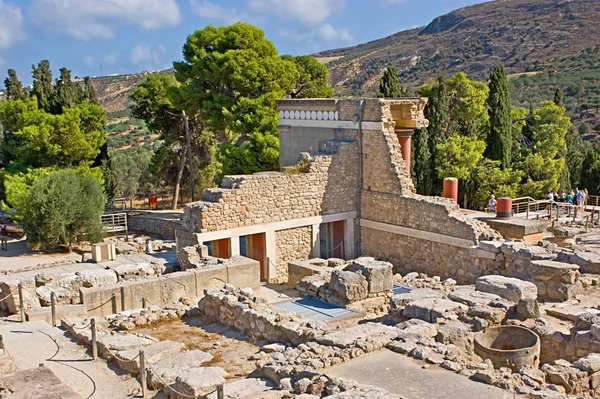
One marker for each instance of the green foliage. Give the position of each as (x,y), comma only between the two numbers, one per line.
(389,85)
(312,80)
(128,172)
(14,87)
(545,165)
(591,170)
(42,85)
(38,139)
(490,178)
(89,92)
(558,97)
(63,208)
(458,156)
(421,162)
(499,140)
(259,153)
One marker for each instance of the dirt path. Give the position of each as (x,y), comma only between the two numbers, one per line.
(36,342)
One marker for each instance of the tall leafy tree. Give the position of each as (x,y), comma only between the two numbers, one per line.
(389,85)
(576,152)
(312,79)
(231,78)
(14,87)
(66,94)
(42,84)
(89,91)
(499,140)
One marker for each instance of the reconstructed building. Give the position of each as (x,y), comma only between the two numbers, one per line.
(344,190)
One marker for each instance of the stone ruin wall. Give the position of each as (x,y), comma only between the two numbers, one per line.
(293,244)
(328,187)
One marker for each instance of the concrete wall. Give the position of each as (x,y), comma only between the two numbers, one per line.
(169,288)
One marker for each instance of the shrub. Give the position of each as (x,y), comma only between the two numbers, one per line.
(64,208)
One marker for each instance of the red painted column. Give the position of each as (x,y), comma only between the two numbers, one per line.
(405,148)
(504,207)
(451,188)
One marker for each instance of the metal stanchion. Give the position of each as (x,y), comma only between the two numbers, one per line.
(53,306)
(94,339)
(122,299)
(22,302)
(143,303)
(143,374)
(220,392)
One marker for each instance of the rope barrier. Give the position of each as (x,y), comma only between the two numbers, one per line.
(171,388)
(114,355)
(9,295)
(104,303)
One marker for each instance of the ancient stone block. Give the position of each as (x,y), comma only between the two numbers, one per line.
(191,257)
(378,274)
(398,301)
(198,381)
(456,333)
(349,286)
(432,309)
(419,327)
(508,288)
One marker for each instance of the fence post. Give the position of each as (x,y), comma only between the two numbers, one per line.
(143,374)
(21,302)
(143,303)
(94,339)
(53,306)
(220,392)
(122,298)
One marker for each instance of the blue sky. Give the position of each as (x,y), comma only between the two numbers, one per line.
(101,37)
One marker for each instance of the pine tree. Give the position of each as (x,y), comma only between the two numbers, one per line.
(42,84)
(558,97)
(14,87)
(89,92)
(499,140)
(66,94)
(527,130)
(389,86)
(421,162)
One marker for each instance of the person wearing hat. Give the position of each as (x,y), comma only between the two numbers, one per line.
(492,204)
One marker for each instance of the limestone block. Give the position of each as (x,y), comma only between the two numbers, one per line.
(97,277)
(198,381)
(398,301)
(246,388)
(456,333)
(588,262)
(364,392)
(38,382)
(528,308)
(595,329)
(491,246)
(547,270)
(191,257)
(589,363)
(30,301)
(470,297)
(121,342)
(561,373)
(508,288)
(378,274)
(432,309)
(560,291)
(419,327)
(349,286)
(133,271)
(63,295)
(170,367)
(153,353)
(123,248)
(379,334)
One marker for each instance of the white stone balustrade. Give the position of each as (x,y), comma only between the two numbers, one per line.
(309,115)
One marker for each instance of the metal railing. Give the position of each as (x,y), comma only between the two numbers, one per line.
(113,222)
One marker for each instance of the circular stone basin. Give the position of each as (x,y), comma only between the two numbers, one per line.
(509,346)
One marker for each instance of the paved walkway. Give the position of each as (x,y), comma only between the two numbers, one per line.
(36,342)
(403,376)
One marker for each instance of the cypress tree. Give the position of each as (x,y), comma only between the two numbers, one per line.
(527,129)
(42,84)
(436,112)
(14,87)
(89,92)
(558,97)
(66,94)
(421,162)
(499,140)
(389,86)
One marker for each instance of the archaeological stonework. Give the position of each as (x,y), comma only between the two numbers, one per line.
(293,244)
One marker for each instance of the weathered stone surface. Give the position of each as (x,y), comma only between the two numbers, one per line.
(561,373)
(39,382)
(528,308)
(432,309)
(63,295)
(349,285)
(588,262)
(97,277)
(191,257)
(30,301)
(508,288)
(378,274)
(198,381)
(398,301)
(133,271)
(170,367)
(471,297)
(153,353)
(247,388)
(456,333)
(121,342)
(589,363)
(379,334)
(419,327)
(595,329)
(546,270)
(364,392)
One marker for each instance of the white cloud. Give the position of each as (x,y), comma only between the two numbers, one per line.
(307,11)
(330,34)
(111,58)
(208,10)
(88,61)
(140,53)
(1,61)
(161,48)
(12,27)
(96,18)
